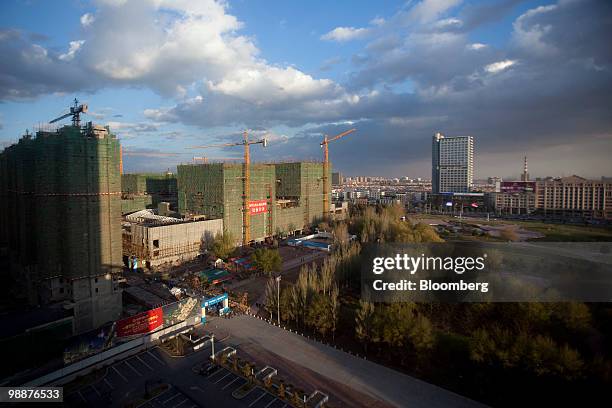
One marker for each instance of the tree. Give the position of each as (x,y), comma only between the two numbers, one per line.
(318,316)
(334,308)
(363,322)
(271,296)
(224,244)
(267,260)
(421,334)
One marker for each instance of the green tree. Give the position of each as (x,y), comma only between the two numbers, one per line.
(271,295)
(334,306)
(318,316)
(224,244)
(267,260)
(363,322)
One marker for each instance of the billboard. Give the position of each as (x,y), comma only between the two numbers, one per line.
(180,311)
(258,207)
(142,323)
(517,186)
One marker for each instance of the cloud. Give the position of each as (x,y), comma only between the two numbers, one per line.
(429,10)
(342,34)
(421,70)
(476,46)
(328,64)
(87,19)
(499,66)
(75,46)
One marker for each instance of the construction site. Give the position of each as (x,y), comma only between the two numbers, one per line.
(284,197)
(61,213)
(72,224)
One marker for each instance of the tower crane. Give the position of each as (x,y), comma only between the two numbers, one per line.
(246,197)
(325,146)
(75,112)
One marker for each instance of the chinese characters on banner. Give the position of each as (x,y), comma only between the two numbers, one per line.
(258,207)
(140,324)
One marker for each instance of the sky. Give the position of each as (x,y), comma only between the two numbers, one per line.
(523,77)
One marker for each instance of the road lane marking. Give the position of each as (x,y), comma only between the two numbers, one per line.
(143,362)
(96,390)
(180,403)
(109,384)
(231,382)
(81,395)
(220,370)
(155,357)
(171,398)
(260,397)
(133,369)
(221,379)
(120,375)
(270,403)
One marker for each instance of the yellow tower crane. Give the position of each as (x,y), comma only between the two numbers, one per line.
(324,145)
(246,198)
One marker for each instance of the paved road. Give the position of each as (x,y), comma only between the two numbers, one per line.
(364,376)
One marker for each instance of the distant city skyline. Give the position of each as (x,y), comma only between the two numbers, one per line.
(193,73)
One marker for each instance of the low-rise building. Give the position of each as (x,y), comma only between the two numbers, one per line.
(153,240)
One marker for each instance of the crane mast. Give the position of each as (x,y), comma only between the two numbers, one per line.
(325,178)
(246,177)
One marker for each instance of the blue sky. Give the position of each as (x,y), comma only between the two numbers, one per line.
(169,75)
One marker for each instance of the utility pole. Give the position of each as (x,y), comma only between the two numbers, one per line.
(212,351)
(278,279)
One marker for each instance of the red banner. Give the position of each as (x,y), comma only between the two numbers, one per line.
(258,207)
(141,323)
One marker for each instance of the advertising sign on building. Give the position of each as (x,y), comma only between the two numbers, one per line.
(141,323)
(258,207)
(517,186)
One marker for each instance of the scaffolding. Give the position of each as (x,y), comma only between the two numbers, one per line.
(293,193)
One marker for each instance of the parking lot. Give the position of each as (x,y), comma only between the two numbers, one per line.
(223,381)
(119,376)
(172,398)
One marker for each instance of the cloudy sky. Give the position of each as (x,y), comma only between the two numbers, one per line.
(522,77)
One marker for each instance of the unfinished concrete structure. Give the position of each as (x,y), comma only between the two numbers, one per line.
(61,207)
(147,190)
(284,197)
(155,240)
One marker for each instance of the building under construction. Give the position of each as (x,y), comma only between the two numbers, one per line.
(283,197)
(61,217)
(147,190)
(151,240)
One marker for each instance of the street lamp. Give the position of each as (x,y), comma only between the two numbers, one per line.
(278,279)
(212,351)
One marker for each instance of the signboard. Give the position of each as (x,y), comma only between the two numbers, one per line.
(258,207)
(180,311)
(214,300)
(449,203)
(517,186)
(141,323)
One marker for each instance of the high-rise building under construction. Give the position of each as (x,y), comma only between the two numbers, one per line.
(61,218)
(284,197)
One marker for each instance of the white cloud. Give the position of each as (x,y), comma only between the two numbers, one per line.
(75,46)
(430,10)
(476,46)
(499,66)
(528,36)
(87,19)
(448,23)
(342,34)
